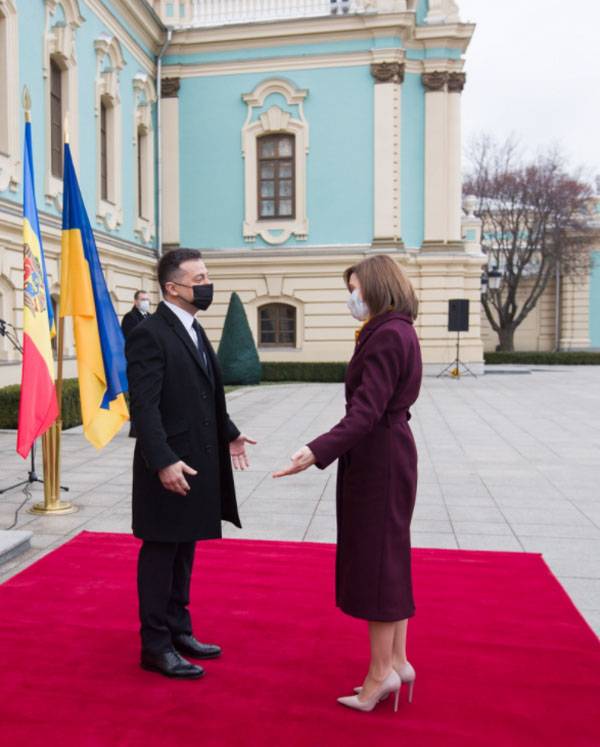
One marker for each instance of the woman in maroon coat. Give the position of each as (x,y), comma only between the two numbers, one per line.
(377,472)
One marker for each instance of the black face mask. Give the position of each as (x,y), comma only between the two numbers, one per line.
(203,295)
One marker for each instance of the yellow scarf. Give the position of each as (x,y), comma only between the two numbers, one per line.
(360,329)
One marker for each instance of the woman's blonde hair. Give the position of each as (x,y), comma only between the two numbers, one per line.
(384,286)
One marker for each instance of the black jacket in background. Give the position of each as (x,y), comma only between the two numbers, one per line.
(131,320)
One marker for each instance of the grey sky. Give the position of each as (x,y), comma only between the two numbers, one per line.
(533,69)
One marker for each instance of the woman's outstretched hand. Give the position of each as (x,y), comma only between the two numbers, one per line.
(301,460)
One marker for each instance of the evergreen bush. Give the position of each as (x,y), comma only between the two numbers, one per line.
(237,351)
(563,358)
(71,410)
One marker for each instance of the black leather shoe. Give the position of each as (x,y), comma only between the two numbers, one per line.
(188,645)
(171,664)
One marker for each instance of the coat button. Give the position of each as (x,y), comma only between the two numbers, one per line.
(204,395)
(206,422)
(208,448)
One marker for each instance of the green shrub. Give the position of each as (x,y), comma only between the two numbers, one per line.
(237,352)
(303,371)
(71,410)
(565,358)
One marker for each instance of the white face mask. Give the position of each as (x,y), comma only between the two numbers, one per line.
(144,306)
(358,308)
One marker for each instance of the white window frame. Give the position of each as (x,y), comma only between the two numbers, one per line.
(144,99)
(59,44)
(109,62)
(10,161)
(274,121)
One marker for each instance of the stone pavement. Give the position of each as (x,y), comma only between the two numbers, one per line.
(508,461)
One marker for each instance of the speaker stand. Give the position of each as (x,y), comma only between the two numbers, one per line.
(454,369)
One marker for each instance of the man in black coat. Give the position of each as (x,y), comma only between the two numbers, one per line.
(139,312)
(182,475)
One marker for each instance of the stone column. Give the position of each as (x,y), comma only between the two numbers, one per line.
(170,160)
(575,313)
(436,158)
(456,82)
(388,78)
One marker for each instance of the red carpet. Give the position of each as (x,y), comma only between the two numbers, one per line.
(503,658)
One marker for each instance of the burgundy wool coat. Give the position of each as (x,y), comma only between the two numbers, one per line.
(377,471)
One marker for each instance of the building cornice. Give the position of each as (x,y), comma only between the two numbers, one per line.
(11,216)
(290,31)
(443,35)
(301,62)
(135,15)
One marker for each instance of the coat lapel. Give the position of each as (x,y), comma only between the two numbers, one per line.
(183,335)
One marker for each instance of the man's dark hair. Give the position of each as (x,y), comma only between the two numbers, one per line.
(171,261)
(138,293)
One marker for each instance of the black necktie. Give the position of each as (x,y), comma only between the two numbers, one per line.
(202,348)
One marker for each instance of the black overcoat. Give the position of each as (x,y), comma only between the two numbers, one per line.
(131,320)
(179,414)
(377,471)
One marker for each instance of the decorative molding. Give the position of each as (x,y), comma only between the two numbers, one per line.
(10,160)
(435,81)
(109,62)
(456,82)
(144,99)
(442,11)
(169,88)
(275,119)
(59,44)
(388,72)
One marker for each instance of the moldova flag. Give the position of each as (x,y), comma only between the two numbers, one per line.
(38,408)
(99,342)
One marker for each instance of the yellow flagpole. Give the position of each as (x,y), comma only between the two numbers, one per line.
(51,440)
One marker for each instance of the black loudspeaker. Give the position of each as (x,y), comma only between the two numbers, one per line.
(458,315)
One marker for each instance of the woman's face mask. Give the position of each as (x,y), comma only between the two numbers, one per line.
(358,308)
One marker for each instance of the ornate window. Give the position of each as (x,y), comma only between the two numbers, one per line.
(275,176)
(56,120)
(275,147)
(9,97)
(109,62)
(277,325)
(60,80)
(143,143)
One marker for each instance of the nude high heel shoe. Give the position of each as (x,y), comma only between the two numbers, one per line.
(408,676)
(391,684)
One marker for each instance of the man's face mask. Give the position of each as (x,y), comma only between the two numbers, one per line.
(144,305)
(203,294)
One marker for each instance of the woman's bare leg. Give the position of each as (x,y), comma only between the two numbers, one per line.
(381,636)
(399,647)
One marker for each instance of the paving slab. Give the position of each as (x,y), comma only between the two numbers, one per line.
(507,462)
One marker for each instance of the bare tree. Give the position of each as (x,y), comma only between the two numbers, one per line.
(535,223)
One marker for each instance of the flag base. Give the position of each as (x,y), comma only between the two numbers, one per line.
(58,508)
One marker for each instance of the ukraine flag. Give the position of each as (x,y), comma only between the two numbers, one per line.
(38,407)
(99,342)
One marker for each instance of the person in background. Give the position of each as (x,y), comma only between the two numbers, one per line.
(139,312)
(377,473)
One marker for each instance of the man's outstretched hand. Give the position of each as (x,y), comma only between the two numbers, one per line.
(237,449)
(301,460)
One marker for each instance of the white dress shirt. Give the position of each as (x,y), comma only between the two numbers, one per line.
(186,319)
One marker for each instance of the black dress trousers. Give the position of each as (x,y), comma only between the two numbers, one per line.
(164,575)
